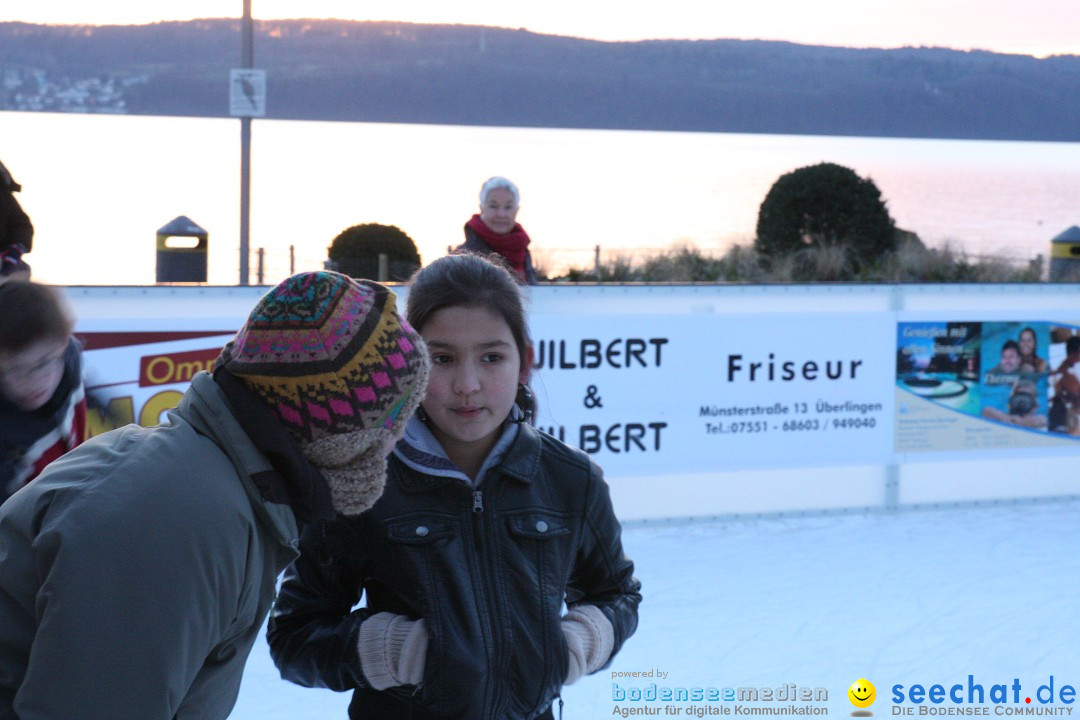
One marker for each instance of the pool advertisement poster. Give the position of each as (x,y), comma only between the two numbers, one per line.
(986,385)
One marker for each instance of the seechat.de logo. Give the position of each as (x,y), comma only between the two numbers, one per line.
(862,695)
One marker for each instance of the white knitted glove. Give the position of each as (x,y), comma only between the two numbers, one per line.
(392,649)
(589,639)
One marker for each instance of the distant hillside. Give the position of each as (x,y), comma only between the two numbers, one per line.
(398,72)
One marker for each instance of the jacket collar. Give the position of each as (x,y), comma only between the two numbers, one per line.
(522,460)
(516,455)
(205,406)
(295,481)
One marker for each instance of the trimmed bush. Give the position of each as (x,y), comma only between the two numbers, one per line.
(824,206)
(355,252)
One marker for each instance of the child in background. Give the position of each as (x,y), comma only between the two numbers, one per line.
(42,402)
(486,528)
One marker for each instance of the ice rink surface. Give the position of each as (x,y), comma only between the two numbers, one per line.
(913,597)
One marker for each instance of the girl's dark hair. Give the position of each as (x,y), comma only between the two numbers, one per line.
(468,279)
(29,313)
(471,280)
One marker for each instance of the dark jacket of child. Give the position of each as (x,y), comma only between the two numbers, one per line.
(488,567)
(15,225)
(16,230)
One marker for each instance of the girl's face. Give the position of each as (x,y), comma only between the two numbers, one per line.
(29,377)
(475,372)
(499,211)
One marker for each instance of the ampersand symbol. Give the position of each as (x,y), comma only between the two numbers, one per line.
(592,400)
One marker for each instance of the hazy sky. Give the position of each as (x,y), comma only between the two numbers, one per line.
(1037,27)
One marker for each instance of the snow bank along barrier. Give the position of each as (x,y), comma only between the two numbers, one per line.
(704,400)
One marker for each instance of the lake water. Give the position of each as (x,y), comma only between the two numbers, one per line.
(98,187)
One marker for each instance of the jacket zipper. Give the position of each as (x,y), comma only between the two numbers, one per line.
(486,553)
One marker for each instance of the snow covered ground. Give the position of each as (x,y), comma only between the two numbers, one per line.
(923,597)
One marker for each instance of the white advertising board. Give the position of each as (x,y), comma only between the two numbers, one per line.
(673,393)
(739,399)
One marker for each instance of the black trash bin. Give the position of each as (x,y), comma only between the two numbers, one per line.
(182,251)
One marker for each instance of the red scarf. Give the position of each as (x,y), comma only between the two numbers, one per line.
(514,245)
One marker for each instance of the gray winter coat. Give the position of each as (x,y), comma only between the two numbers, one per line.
(137,571)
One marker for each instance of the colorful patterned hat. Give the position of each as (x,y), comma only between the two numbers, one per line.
(340,369)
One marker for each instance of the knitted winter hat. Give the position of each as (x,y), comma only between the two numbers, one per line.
(340,369)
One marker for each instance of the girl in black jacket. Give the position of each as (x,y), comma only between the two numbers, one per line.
(491,569)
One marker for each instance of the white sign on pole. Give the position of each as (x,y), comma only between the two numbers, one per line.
(247,92)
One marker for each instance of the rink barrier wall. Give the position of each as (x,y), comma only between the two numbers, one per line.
(645,376)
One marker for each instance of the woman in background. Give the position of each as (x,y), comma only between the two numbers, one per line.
(495,228)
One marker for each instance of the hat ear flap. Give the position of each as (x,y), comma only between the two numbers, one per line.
(353,465)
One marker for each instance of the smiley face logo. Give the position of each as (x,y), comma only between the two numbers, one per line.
(862,693)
